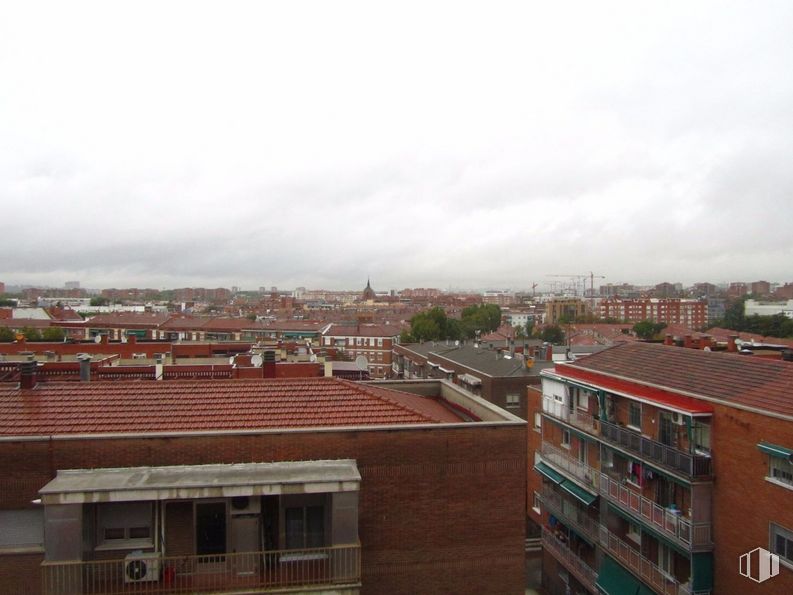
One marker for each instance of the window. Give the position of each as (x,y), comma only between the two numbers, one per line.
(124,524)
(537,422)
(583,452)
(566,438)
(513,400)
(666,559)
(305,527)
(780,469)
(781,542)
(536,505)
(635,415)
(21,528)
(583,400)
(701,436)
(607,458)
(379,342)
(634,532)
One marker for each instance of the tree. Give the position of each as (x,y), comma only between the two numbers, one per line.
(552,334)
(7,335)
(647,329)
(99,301)
(484,318)
(53,334)
(31,334)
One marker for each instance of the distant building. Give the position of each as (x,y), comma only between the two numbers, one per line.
(375,342)
(2,288)
(760,288)
(368,293)
(564,310)
(704,290)
(667,290)
(737,289)
(692,313)
(763,308)
(72,285)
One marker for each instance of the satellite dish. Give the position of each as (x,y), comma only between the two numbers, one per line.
(257,361)
(231,360)
(98,339)
(123,338)
(361,363)
(312,358)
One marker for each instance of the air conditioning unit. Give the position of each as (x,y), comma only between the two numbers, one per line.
(678,419)
(141,567)
(246,505)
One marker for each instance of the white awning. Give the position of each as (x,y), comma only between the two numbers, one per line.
(128,484)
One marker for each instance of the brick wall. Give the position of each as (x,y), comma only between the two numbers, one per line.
(441,510)
(744,503)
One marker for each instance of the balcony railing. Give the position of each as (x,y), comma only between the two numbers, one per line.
(562,459)
(648,571)
(222,573)
(667,522)
(576,417)
(689,464)
(570,514)
(585,574)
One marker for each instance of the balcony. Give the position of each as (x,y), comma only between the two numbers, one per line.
(661,519)
(649,572)
(670,524)
(571,515)
(333,567)
(585,574)
(563,460)
(579,419)
(688,464)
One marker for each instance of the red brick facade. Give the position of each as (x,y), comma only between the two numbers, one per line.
(441,509)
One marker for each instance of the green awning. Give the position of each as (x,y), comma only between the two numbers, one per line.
(548,472)
(577,492)
(613,579)
(774,450)
(648,527)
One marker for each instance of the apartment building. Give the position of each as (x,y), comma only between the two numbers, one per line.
(281,485)
(375,342)
(656,468)
(689,312)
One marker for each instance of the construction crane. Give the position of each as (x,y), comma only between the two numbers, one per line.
(575,280)
(583,279)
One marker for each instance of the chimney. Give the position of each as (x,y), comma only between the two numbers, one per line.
(27,374)
(105,339)
(548,352)
(687,341)
(668,340)
(731,345)
(512,347)
(787,355)
(704,342)
(268,363)
(132,339)
(85,368)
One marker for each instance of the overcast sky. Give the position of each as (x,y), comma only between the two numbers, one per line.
(292,143)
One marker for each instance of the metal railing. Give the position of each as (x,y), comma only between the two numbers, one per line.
(576,417)
(649,572)
(562,459)
(662,519)
(585,574)
(569,513)
(692,465)
(221,573)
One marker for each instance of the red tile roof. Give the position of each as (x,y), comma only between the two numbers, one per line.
(183,406)
(730,378)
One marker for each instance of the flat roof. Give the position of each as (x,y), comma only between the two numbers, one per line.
(124,484)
